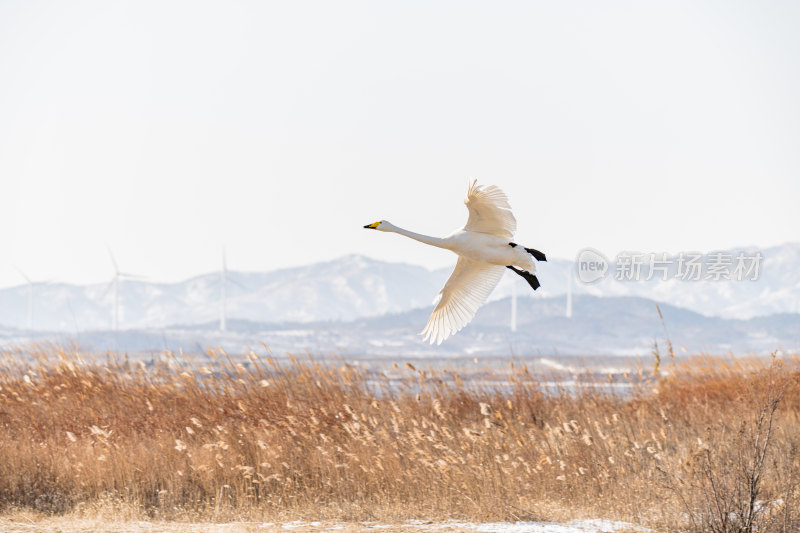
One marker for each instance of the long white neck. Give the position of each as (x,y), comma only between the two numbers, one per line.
(433,241)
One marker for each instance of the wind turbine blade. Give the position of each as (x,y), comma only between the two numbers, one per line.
(21,273)
(113,261)
(233,280)
(109,287)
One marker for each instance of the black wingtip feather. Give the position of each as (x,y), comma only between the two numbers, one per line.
(532,280)
(539,256)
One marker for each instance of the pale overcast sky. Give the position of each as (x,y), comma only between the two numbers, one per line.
(167,129)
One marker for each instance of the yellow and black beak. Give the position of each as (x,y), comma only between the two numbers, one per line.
(372,226)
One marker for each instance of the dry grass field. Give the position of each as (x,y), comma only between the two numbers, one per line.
(703,444)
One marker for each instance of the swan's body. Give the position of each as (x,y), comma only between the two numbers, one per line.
(484,251)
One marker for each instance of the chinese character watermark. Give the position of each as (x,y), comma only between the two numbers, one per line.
(593,266)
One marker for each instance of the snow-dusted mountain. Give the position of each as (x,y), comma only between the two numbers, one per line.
(620,326)
(777,289)
(354,287)
(347,288)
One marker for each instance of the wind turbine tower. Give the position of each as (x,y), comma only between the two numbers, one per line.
(569,292)
(225,277)
(115,282)
(223,295)
(513,305)
(115,286)
(30,299)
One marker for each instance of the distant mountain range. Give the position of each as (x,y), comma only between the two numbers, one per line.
(344,289)
(358,304)
(355,286)
(599,326)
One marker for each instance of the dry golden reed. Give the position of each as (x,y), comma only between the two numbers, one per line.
(696,448)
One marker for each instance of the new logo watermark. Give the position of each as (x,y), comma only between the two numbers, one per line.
(592,266)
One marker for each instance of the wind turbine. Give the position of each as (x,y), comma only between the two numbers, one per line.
(223,277)
(513,306)
(115,282)
(30,298)
(569,291)
(31,285)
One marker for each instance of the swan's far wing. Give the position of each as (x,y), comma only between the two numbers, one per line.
(465,291)
(489,211)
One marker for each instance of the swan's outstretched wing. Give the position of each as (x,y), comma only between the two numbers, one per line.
(489,211)
(465,291)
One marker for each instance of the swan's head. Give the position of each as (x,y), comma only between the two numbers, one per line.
(380,225)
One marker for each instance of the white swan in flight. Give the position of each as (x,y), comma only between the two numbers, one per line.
(485,249)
